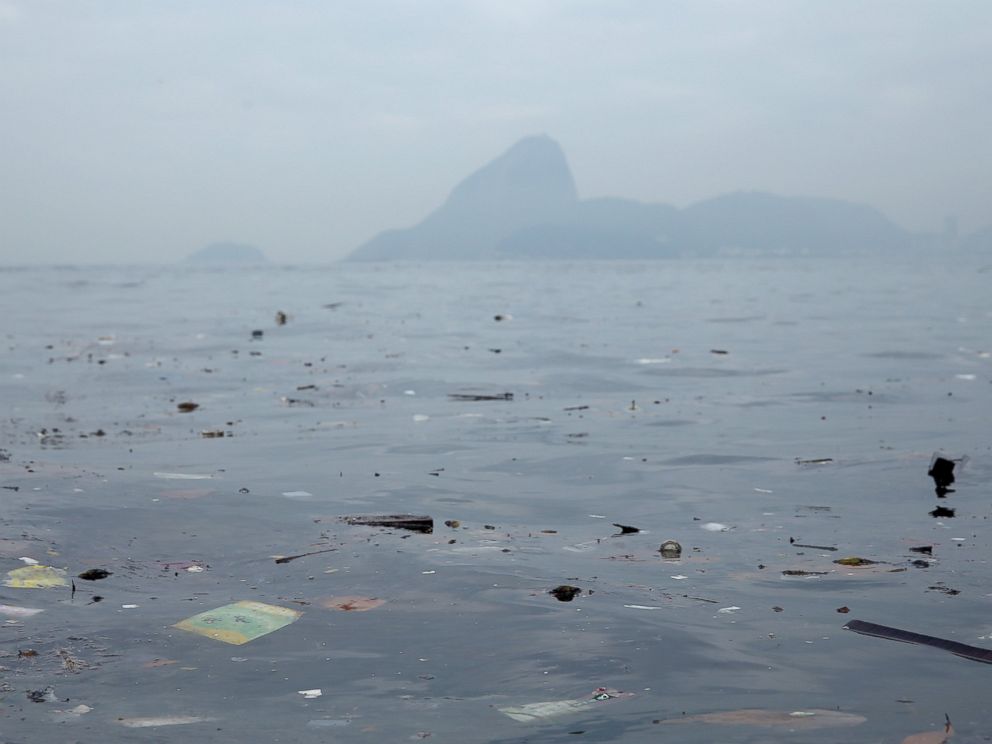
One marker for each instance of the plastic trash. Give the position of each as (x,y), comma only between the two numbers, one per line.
(239,622)
(716,527)
(565,592)
(352,603)
(36,577)
(161,721)
(811,718)
(12,611)
(974,653)
(310,694)
(670,549)
(531,712)
(413,522)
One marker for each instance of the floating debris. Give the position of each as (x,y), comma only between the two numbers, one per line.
(855,561)
(239,622)
(187,406)
(411,522)
(288,558)
(565,592)
(974,653)
(530,712)
(626,529)
(812,718)
(46,695)
(352,604)
(670,549)
(12,611)
(36,577)
(94,574)
(162,721)
(471,397)
(942,472)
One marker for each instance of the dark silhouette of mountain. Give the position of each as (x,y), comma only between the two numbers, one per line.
(228,253)
(524,205)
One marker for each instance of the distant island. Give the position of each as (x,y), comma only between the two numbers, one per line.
(524,205)
(227,253)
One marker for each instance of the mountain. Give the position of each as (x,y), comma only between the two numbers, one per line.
(530,183)
(758,223)
(524,205)
(227,253)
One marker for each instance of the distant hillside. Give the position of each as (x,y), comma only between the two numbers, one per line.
(759,223)
(228,253)
(524,204)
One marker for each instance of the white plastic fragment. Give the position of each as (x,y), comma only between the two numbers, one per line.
(182,476)
(679,577)
(161,721)
(297,494)
(715,527)
(310,694)
(28,561)
(642,607)
(728,610)
(12,611)
(532,712)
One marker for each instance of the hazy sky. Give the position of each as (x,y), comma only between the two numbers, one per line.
(136,130)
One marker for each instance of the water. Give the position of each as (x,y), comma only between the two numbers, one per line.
(621,412)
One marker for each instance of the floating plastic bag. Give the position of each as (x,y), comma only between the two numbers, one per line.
(531,712)
(239,622)
(36,577)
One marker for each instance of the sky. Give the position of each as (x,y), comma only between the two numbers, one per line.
(140,130)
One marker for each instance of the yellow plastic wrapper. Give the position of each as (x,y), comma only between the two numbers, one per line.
(36,577)
(239,622)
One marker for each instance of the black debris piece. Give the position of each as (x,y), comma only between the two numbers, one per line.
(565,592)
(895,634)
(411,522)
(288,558)
(924,549)
(472,397)
(942,511)
(94,574)
(626,529)
(942,472)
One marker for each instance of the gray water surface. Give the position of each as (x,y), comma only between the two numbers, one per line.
(621,411)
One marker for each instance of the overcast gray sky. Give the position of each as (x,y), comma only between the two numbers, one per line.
(135,130)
